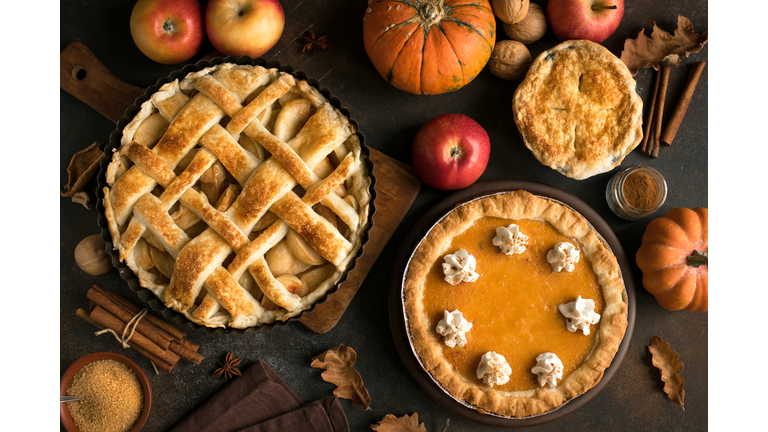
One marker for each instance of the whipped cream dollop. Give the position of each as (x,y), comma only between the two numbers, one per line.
(459,267)
(453,327)
(580,314)
(510,240)
(563,257)
(549,369)
(493,369)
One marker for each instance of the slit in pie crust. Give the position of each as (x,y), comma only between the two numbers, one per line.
(577,109)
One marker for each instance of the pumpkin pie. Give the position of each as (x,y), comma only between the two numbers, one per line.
(537,315)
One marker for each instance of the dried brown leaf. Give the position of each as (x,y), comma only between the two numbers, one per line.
(338,363)
(644,52)
(667,360)
(81,168)
(82,198)
(405,423)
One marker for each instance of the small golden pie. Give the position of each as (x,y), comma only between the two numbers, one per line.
(577,109)
(239,195)
(540,322)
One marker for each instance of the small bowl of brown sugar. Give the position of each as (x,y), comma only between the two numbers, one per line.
(636,192)
(114,394)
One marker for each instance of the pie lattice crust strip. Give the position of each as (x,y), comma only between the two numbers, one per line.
(239,195)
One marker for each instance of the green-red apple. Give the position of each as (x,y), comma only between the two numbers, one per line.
(244,27)
(592,20)
(167,31)
(450,151)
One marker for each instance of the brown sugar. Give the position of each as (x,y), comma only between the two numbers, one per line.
(111,397)
(640,190)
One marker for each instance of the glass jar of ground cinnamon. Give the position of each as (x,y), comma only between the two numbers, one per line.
(636,192)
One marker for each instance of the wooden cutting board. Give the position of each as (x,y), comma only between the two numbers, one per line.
(85,77)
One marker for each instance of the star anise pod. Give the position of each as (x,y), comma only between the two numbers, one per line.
(315,43)
(229,367)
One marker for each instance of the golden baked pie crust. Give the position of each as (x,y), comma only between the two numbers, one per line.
(205,250)
(577,109)
(517,205)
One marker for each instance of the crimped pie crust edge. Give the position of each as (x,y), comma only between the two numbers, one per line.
(428,346)
(630,115)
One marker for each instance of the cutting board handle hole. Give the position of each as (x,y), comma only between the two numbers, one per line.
(79,73)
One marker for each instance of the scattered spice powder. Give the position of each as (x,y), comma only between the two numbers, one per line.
(640,190)
(111,397)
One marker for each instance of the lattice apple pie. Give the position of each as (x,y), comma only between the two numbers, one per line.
(239,195)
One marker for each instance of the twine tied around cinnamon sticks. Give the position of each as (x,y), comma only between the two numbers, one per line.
(653,136)
(157,340)
(129,325)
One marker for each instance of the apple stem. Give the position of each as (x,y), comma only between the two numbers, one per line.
(455,152)
(605,7)
(168,26)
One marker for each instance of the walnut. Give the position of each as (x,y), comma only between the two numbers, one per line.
(510,60)
(531,28)
(91,255)
(510,11)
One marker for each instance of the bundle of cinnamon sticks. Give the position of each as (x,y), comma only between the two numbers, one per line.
(653,136)
(158,341)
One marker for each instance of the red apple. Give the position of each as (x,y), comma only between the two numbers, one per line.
(450,151)
(167,31)
(244,27)
(593,20)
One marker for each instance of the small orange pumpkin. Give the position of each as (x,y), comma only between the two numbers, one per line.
(429,46)
(673,259)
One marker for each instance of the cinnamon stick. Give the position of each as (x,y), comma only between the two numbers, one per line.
(650,114)
(186,353)
(145,327)
(178,336)
(157,361)
(169,336)
(659,110)
(188,344)
(168,331)
(682,104)
(108,320)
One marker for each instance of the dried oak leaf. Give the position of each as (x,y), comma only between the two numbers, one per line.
(666,359)
(81,168)
(644,52)
(82,198)
(338,363)
(391,423)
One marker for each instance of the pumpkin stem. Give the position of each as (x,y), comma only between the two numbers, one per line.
(697,259)
(431,12)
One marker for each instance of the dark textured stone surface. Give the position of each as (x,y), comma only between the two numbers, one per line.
(633,400)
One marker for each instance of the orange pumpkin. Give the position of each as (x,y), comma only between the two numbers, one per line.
(429,46)
(673,259)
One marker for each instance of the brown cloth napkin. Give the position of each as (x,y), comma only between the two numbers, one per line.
(259,401)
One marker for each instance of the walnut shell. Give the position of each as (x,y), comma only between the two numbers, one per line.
(91,255)
(531,28)
(510,11)
(510,60)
